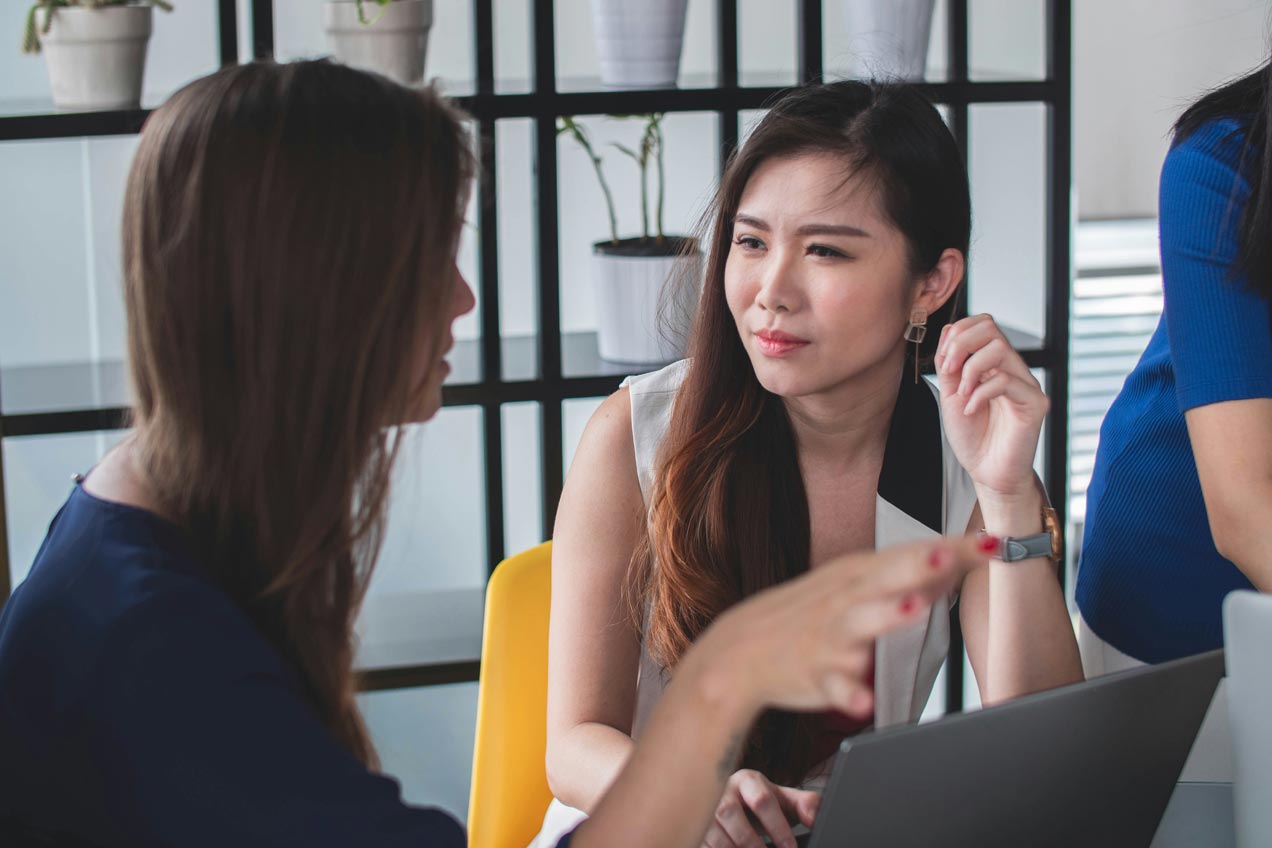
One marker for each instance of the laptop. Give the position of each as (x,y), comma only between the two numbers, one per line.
(1247,637)
(1093,764)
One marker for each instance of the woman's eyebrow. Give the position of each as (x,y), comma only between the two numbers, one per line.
(806,229)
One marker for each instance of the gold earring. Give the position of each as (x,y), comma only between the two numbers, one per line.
(915,332)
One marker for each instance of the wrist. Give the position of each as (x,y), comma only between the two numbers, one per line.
(716,675)
(1012,514)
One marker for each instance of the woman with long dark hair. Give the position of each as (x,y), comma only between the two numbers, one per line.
(796,431)
(1179,509)
(177,667)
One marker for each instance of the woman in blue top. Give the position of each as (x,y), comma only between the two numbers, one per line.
(177,668)
(1179,510)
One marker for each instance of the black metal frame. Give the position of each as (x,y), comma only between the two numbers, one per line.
(544,104)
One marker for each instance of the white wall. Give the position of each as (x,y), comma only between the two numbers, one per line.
(1137,65)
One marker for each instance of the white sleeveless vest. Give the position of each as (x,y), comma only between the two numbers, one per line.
(923,493)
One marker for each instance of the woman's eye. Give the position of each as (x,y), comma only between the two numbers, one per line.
(748,242)
(825,252)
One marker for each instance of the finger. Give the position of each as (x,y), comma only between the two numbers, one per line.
(1026,394)
(716,838)
(965,338)
(732,820)
(896,571)
(798,804)
(995,355)
(761,799)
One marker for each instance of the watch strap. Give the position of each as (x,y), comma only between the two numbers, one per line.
(1026,547)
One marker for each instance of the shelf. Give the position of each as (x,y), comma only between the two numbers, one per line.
(26,120)
(82,397)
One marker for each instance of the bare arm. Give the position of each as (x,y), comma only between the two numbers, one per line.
(593,646)
(1232,443)
(1016,627)
(1017,630)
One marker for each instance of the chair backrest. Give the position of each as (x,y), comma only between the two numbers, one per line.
(510,786)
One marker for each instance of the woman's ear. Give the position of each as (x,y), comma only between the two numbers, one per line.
(939,284)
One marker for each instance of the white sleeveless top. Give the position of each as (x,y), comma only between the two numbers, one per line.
(923,493)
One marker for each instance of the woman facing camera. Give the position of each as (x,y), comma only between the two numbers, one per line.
(177,668)
(796,432)
(1179,510)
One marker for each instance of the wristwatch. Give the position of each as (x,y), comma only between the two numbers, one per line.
(1049,543)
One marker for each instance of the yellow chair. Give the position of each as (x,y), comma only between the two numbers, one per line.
(510,784)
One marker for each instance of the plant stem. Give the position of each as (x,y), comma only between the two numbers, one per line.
(569,125)
(662,184)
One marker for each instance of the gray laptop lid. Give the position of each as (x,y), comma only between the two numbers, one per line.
(1090,765)
(1247,637)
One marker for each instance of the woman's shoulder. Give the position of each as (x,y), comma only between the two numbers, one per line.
(667,379)
(1216,147)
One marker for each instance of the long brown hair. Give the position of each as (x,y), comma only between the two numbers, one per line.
(288,238)
(728,513)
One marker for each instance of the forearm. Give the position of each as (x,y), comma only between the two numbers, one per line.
(667,793)
(584,761)
(1031,646)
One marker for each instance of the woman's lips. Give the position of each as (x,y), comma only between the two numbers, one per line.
(777,344)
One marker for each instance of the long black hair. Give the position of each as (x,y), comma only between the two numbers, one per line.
(1247,99)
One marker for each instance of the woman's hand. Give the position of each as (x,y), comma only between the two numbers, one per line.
(753,806)
(992,407)
(808,644)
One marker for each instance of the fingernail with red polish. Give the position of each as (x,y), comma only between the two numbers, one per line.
(989,544)
(908,604)
(940,558)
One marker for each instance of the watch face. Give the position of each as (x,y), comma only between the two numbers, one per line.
(1051,523)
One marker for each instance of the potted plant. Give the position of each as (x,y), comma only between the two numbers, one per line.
(636,321)
(95,50)
(639,44)
(389,37)
(889,37)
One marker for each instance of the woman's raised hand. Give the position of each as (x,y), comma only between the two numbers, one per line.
(992,406)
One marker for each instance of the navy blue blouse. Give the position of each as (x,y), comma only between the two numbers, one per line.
(139,706)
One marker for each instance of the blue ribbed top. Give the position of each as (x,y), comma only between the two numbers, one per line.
(1151,581)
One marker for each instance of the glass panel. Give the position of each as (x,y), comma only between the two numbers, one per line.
(692,144)
(578,66)
(424,737)
(747,121)
(575,413)
(884,39)
(425,599)
(37,479)
(299,33)
(522,479)
(465,358)
(1008,171)
(767,43)
(514,55)
(1007,39)
(61,301)
(518,250)
(183,46)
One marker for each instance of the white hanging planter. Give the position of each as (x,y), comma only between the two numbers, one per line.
(635,323)
(639,43)
(394,44)
(96,58)
(889,38)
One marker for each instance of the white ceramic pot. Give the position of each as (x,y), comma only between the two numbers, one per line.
(889,38)
(639,43)
(636,322)
(96,57)
(394,45)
